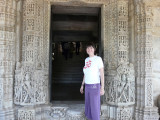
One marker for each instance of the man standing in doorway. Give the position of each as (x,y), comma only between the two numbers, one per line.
(77,47)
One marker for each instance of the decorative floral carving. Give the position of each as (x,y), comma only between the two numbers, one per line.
(125,114)
(26,114)
(57,112)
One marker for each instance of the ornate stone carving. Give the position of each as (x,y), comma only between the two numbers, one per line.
(116,33)
(110,35)
(26,114)
(31,86)
(57,112)
(46,38)
(80,2)
(144,64)
(75,114)
(125,114)
(120,81)
(7,57)
(121,86)
(77,2)
(122,32)
(31,80)
(7,54)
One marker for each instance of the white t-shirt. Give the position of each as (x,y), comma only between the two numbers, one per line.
(91,69)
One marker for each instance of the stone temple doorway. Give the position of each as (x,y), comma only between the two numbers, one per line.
(71,29)
(127,34)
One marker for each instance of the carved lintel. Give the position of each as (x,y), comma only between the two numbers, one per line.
(77,2)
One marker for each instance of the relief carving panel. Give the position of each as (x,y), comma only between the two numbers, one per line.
(121,86)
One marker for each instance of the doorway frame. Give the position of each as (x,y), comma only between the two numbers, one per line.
(74,3)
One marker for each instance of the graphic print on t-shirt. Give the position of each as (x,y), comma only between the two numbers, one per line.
(91,69)
(88,64)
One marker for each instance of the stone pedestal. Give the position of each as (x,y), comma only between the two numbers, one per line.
(26,113)
(149,113)
(37,112)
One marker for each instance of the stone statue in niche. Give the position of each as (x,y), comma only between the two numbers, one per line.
(121,85)
(126,85)
(27,89)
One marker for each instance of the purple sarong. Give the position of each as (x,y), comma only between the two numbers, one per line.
(92,101)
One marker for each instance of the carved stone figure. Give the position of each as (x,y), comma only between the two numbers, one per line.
(28,89)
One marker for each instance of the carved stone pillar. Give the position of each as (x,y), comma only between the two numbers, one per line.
(7,57)
(120,77)
(145,109)
(31,78)
(31,74)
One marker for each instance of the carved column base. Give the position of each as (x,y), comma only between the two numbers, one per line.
(104,111)
(72,112)
(26,113)
(32,112)
(149,113)
(120,113)
(7,114)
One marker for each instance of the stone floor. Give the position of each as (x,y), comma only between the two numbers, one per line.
(70,110)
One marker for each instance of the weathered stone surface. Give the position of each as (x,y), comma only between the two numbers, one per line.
(128,29)
(156,53)
(7,57)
